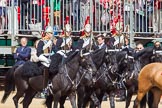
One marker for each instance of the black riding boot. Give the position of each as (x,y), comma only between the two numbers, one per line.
(45,77)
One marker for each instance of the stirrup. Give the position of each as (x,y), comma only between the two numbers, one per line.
(49,88)
(49,85)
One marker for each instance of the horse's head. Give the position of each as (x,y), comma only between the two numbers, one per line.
(125,62)
(98,57)
(87,62)
(111,61)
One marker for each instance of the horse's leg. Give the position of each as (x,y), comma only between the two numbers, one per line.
(111,98)
(48,101)
(156,97)
(29,95)
(17,97)
(99,96)
(129,96)
(83,97)
(62,101)
(150,99)
(57,99)
(72,98)
(95,99)
(21,87)
(143,101)
(142,90)
(86,99)
(140,96)
(80,100)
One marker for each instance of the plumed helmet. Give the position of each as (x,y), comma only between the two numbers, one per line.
(68,28)
(67,25)
(113,31)
(87,26)
(49,29)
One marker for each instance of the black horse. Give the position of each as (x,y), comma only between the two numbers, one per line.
(64,82)
(107,80)
(85,90)
(116,79)
(30,84)
(83,78)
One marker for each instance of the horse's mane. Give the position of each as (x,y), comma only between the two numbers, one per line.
(130,51)
(70,56)
(97,57)
(120,55)
(56,59)
(31,69)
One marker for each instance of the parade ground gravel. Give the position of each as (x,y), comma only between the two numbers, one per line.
(38,103)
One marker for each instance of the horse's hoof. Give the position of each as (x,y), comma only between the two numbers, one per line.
(122,98)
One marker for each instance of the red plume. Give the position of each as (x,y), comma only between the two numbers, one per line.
(87,21)
(67,20)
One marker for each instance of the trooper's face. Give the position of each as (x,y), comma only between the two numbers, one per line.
(49,35)
(87,33)
(67,33)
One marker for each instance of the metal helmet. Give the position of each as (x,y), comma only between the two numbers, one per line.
(67,25)
(49,29)
(68,28)
(87,28)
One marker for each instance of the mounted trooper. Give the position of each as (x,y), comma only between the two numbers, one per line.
(45,46)
(44,49)
(64,42)
(63,47)
(85,41)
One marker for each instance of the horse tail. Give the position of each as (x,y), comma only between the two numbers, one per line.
(9,84)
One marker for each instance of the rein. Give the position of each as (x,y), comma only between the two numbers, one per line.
(113,82)
(105,69)
(67,75)
(119,83)
(72,82)
(80,79)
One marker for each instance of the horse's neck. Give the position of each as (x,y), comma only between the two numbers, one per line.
(72,67)
(98,60)
(81,76)
(144,61)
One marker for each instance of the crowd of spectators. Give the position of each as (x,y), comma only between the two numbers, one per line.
(107,15)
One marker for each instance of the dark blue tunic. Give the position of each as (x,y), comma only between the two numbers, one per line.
(23,56)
